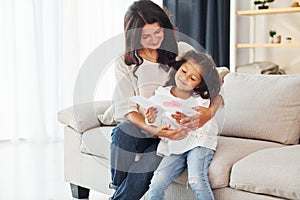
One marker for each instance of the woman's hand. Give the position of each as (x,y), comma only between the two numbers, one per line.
(195,121)
(151,114)
(173,134)
(204,114)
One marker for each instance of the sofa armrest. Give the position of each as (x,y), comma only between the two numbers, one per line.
(83,117)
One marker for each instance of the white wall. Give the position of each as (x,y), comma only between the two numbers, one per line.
(287,58)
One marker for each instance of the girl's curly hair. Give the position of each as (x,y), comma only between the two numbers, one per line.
(210,84)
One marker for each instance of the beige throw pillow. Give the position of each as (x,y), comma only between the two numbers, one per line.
(263,107)
(107,118)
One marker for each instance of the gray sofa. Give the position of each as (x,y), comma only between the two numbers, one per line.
(258,153)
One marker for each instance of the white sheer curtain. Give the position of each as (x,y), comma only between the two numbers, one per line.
(43,45)
(22,72)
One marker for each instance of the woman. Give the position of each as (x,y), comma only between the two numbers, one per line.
(151,50)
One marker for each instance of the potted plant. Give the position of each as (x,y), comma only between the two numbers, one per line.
(272,33)
(262,3)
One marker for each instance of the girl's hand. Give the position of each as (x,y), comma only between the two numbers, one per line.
(178,116)
(151,114)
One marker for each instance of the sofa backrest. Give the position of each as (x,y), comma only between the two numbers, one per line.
(265,107)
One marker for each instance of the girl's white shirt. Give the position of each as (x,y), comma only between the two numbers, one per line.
(206,136)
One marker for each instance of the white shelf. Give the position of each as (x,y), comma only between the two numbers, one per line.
(264,45)
(269,11)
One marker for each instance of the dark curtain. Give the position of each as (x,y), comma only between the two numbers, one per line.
(206,22)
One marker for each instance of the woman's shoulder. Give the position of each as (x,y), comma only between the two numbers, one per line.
(120,65)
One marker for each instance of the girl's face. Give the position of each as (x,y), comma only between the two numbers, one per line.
(188,76)
(152,36)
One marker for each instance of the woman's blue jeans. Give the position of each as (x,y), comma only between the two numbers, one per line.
(133,161)
(197,161)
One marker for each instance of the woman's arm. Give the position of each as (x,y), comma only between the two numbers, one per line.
(214,106)
(205,114)
(174,134)
(124,89)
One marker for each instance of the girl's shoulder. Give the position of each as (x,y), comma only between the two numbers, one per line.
(202,102)
(163,90)
(184,47)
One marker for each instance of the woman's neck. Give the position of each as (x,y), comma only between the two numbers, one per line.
(149,54)
(183,94)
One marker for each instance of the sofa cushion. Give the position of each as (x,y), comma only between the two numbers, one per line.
(272,171)
(83,117)
(263,107)
(232,194)
(229,151)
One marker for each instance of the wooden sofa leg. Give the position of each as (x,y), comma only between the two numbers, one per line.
(79,192)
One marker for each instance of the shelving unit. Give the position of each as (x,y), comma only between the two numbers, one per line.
(252,45)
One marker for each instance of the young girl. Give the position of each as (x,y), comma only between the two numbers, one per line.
(196,82)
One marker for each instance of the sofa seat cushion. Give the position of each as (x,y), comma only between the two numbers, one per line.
(97,141)
(228,152)
(264,107)
(274,171)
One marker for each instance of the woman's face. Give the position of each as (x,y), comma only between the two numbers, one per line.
(152,36)
(188,76)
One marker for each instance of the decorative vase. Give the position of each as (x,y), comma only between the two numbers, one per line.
(288,39)
(277,39)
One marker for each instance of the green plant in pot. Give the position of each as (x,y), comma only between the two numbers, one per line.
(262,3)
(272,33)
